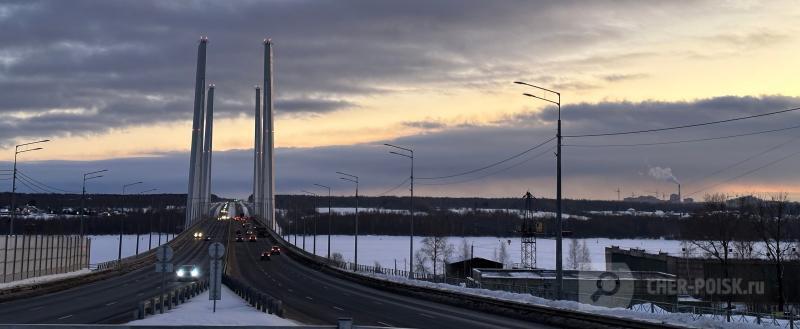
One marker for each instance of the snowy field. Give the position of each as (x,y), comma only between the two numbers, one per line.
(388,249)
(198,311)
(43,279)
(106,247)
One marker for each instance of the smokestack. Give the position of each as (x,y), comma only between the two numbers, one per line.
(197,138)
(679,193)
(269,137)
(207,148)
(257,156)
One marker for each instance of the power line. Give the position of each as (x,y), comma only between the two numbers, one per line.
(493,164)
(747,172)
(396,187)
(683,126)
(43,184)
(30,188)
(736,164)
(37,186)
(493,172)
(686,140)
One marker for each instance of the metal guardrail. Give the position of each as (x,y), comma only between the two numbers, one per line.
(169,299)
(261,301)
(342,323)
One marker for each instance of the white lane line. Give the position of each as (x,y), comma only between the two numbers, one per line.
(111,303)
(139,294)
(377,303)
(384,324)
(309,298)
(427,315)
(65,317)
(36,308)
(290,290)
(338,308)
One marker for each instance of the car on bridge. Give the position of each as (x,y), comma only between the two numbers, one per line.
(188,273)
(251,238)
(198,235)
(275,250)
(208,237)
(239,238)
(265,255)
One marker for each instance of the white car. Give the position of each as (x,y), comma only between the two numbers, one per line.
(188,273)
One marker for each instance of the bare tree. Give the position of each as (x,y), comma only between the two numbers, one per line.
(465,250)
(437,250)
(716,240)
(771,219)
(585,258)
(502,255)
(573,261)
(419,263)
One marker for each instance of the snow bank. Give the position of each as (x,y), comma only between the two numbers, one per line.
(683,319)
(231,310)
(43,279)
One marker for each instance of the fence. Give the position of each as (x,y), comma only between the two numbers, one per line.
(28,256)
(788,320)
(261,301)
(169,299)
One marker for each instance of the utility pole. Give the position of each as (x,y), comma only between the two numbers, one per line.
(14,182)
(410,155)
(122,220)
(353,179)
(138,230)
(330,220)
(619,196)
(91,175)
(559,264)
(314,195)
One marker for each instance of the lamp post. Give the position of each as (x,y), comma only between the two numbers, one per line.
(122,220)
(329,218)
(410,155)
(353,179)
(87,176)
(559,263)
(315,220)
(14,182)
(150,241)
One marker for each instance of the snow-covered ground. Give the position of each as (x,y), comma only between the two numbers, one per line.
(106,247)
(660,315)
(198,311)
(388,249)
(42,279)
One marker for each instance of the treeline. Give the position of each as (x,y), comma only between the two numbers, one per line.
(166,221)
(104,201)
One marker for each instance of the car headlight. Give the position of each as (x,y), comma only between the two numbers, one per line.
(195,273)
(180,273)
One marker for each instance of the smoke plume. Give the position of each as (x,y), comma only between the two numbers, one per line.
(664,174)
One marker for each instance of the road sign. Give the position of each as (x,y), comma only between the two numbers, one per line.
(164,267)
(164,253)
(215,281)
(216,250)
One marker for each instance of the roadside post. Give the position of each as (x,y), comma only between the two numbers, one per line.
(216,251)
(163,256)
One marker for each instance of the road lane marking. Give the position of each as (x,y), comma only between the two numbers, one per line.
(338,308)
(111,303)
(377,303)
(427,316)
(139,294)
(309,298)
(65,317)
(290,290)
(384,324)
(37,308)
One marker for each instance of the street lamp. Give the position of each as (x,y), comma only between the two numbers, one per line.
(329,218)
(122,220)
(14,182)
(87,176)
(353,179)
(409,154)
(151,226)
(559,264)
(315,221)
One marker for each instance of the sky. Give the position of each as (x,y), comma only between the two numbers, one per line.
(111,84)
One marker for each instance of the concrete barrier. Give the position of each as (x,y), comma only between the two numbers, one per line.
(168,300)
(255,298)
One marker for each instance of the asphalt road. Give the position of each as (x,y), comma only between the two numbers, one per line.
(314,297)
(108,301)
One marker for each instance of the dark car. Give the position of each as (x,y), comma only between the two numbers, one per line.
(208,238)
(265,255)
(188,273)
(275,250)
(251,238)
(239,238)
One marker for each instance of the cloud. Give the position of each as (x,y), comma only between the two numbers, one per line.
(591,172)
(623,77)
